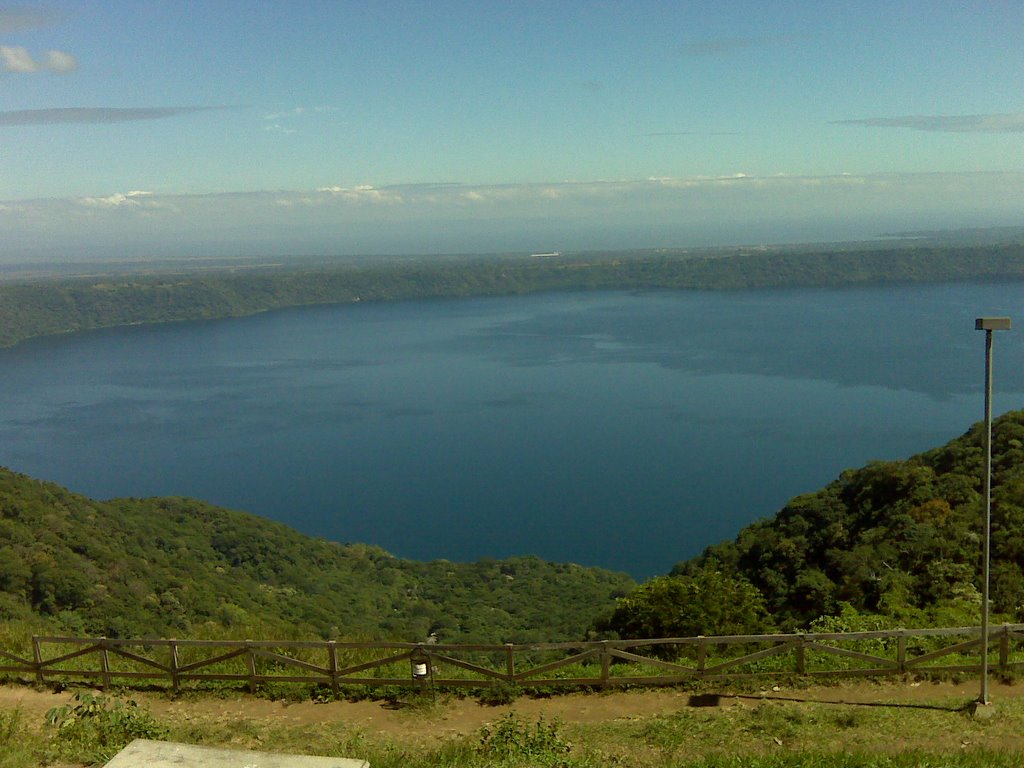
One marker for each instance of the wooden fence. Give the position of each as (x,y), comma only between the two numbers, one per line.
(608,663)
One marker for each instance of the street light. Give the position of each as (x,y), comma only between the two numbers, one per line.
(987,324)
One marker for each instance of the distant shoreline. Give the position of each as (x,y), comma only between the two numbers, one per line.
(169,292)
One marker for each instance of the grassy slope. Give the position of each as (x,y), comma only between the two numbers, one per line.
(174,566)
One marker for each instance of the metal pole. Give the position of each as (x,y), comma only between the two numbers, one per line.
(983,699)
(987,324)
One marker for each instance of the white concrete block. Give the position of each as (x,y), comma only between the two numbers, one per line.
(143,753)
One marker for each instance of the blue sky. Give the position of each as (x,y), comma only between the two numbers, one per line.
(140,128)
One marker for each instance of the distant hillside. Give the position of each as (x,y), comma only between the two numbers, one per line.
(179,567)
(900,538)
(51,306)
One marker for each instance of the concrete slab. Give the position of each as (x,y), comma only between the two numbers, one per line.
(143,753)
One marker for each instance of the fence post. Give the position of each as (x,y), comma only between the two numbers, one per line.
(801,656)
(510,662)
(702,655)
(332,662)
(37,655)
(250,659)
(1004,649)
(606,664)
(901,651)
(175,685)
(104,664)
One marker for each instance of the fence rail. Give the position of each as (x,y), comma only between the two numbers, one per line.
(606,663)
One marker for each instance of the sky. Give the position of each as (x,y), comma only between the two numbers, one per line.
(227,128)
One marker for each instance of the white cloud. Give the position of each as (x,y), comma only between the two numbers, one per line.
(112,201)
(363,193)
(60,62)
(122,200)
(16,58)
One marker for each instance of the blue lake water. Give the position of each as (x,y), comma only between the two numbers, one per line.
(614,429)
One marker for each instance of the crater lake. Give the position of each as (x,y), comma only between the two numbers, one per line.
(624,430)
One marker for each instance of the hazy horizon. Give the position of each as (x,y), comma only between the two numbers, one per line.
(220,128)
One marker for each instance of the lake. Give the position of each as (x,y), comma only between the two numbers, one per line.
(615,429)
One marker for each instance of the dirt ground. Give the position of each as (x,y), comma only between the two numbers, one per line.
(452,716)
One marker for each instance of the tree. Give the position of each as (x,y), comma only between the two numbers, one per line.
(707,602)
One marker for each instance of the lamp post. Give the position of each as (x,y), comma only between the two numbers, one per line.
(987,324)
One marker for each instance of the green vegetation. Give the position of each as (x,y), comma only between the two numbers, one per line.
(95,728)
(741,731)
(42,307)
(513,741)
(706,602)
(891,544)
(179,567)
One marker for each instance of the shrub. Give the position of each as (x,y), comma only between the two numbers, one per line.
(512,739)
(705,603)
(95,728)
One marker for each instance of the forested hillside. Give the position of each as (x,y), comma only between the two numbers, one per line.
(41,307)
(895,543)
(179,567)
(900,539)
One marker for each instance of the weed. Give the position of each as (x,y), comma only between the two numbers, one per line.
(511,739)
(95,728)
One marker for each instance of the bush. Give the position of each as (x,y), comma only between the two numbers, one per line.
(706,603)
(512,739)
(95,728)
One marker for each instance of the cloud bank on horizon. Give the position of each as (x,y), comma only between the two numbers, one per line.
(561,126)
(461,218)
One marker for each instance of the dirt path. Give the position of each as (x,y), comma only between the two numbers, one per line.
(463,716)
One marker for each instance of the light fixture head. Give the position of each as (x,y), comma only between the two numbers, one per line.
(992,324)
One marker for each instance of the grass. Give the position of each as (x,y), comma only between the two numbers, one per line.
(20,745)
(743,730)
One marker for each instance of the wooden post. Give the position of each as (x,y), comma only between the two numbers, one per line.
(606,664)
(510,662)
(37,655)
(901,651)
(332,663)
(702,655)
(175,684)
(1004,649)
(104,664)
(250,659)
(801,655)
